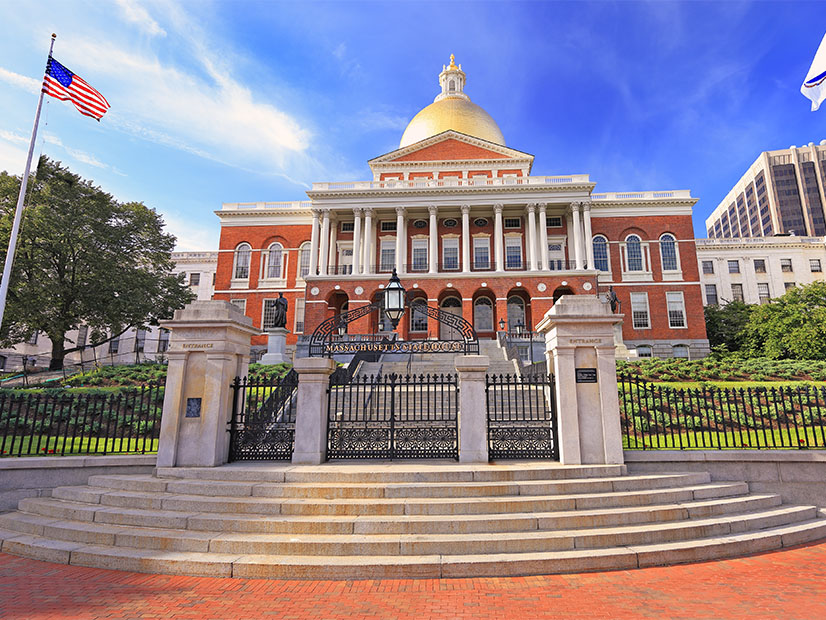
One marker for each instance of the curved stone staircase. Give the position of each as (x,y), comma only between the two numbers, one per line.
(416,519)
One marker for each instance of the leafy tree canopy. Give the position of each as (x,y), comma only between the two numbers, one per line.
(725,325)
(791,327)
(83,258)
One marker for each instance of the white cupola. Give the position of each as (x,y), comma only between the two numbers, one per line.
(452,81)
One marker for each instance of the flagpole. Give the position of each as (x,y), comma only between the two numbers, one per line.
(18,213)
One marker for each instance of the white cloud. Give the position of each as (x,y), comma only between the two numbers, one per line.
(77,154)
(9,136)
(135,13)
(192,237)
(20,81)
(12,158)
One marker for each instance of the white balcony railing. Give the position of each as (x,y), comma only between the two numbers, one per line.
(677,193)
(453,182)
(261,206)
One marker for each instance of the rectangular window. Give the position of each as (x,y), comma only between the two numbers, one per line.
(268,321)
(418,317)
(763,295)
(708,266)
(734,266)
(32,339)
(82,334)
(140,340)
(387,258)
(194,279)
(388,226)
(481,253)
(163,340)
(639,311)
(299,316)
(513,222)
(554,221)
(711,295)
(814,265)
(759,265)
(348,226)
(786,265)
(737,292)
(676,309)
(304,261)
(114,345)
(789,285)
(241,304)
(513,252)
(450,254)
(419,251)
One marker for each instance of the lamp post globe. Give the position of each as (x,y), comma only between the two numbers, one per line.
(501,325)
(519,328)
(394,300)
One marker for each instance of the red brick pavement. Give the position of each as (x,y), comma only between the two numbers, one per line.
(786,584)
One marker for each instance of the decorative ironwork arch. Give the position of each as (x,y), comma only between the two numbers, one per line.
(322,340)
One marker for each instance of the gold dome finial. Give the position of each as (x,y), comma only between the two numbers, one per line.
(452,64)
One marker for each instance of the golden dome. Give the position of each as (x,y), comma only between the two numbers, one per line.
(458,114)
(452,109)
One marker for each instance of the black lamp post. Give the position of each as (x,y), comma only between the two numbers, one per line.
(519,328)
(501,325)
(394,300)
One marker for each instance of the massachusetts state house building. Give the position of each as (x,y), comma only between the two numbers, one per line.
(468,228)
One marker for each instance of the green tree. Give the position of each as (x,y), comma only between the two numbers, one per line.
(790,327)
(83,258)
(726,325)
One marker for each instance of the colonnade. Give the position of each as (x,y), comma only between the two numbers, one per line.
(324,232)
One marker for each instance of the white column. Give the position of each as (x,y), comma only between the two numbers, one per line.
(323,258)
(589,243)
(333,258)
(532,230)
(498,239)
(543,237)
(466,240)
(367,264)
(357,242)
(577,235)
(473,436)
(400,232)
(314,245)
(433,252)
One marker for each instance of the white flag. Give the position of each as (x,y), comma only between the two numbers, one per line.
(814,87)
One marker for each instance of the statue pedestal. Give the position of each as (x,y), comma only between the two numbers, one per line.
(276,346)
(623,352)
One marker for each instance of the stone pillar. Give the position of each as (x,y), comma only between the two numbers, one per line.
(433,250)
(589,242)
(314,245)
(323,259)
(473,411)
(577,236)
(209,347)
(276,346)
(532,230)
(310,447)
(400,234)
(498,239)
(466,239)
(543,237)
(579,344)
(357,242)
(367,265)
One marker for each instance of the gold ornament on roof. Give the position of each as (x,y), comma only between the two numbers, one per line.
(452,64)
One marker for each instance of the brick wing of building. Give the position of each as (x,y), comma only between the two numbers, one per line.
(468,228)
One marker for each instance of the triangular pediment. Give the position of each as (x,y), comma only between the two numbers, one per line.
(451,146)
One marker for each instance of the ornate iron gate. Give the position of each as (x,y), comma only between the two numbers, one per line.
(521,417)
(262,426)
(393,417)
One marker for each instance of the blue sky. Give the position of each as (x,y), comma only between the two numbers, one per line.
(244,101)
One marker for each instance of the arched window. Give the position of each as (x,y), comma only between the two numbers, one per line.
(633,253)
(241,271)
(601,254)
(418,315)
(680,350)
(483,315)
(275,264)
(451,86)
(643,350)
(304,259)
(668,253)
(516,313)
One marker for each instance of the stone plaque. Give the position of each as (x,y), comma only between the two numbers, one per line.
(586,375)
(193,407)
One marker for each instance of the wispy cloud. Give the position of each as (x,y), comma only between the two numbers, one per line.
(15,138)
(20,81)
(137,14)
(191,236)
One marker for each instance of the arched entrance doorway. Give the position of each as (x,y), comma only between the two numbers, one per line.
(451,305)
(562,290)
(517,314)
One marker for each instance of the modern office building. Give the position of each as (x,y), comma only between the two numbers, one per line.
(458,214)
(782,192)
(755,270)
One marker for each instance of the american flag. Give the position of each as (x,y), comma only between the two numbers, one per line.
(61,83)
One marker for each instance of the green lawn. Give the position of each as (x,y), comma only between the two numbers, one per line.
(55,446)
(692,385)
(711,440)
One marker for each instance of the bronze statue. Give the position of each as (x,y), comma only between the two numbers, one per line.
(613,300)
(280,314)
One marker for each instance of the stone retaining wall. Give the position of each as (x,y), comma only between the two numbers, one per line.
(798,476)
(36,476)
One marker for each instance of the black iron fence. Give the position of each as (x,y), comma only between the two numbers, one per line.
(262,426)
(393,416)
(522,420)
(659,417)
(57,422)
